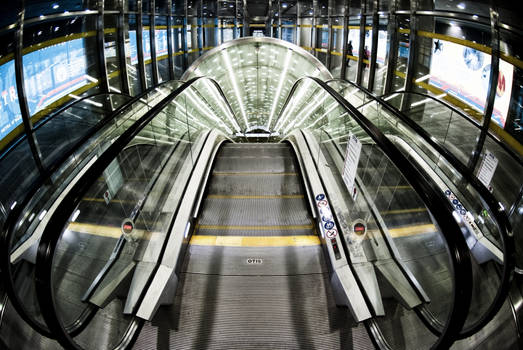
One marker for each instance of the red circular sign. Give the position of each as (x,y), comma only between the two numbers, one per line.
(322,203)
(331,233)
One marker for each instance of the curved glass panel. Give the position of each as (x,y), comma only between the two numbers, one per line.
(89,117)
(403,244)
(116,234)
(256,75)
(482,214)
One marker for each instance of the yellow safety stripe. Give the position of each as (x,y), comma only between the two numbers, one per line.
(284,196)
(336,53)
(254,228)
(253,241)
(224,173)
(403,211)
(412,230)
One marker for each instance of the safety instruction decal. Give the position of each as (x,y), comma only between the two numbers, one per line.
(327,225)
(352,157)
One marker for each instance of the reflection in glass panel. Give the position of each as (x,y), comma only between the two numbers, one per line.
(353,46)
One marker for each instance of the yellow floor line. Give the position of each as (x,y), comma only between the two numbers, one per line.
(219,196)
(242,241)
(412,230)
(224,173)
(254,228)
(253,241)
(403,211)
(97,230)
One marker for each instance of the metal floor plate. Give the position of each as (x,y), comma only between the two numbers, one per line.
(254,212)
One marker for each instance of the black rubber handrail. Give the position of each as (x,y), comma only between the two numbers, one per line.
(52,233)
(468,118)
(499,213)
(437,204)
(12,218)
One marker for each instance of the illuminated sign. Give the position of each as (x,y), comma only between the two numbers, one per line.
(53,72)
(10,116)
(464,73)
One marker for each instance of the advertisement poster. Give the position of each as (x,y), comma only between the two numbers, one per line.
(53,72)
(382,47)
(160,39)
(464,72)
(132,46)
(146,44)
(10,116)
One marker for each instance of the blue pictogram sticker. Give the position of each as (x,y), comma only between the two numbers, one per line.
(328,225)
(320,197)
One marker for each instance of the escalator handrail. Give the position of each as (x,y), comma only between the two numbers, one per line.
(11,220)
(465,116)
(57,222)
(499,213)
(437,204)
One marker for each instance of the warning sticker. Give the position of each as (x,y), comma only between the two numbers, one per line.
(331,233)
(322,203)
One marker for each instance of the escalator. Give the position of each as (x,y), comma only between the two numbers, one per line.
(226,245)
(254,274)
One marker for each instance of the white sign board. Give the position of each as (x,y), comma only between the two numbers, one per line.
(352,157)
(487,168)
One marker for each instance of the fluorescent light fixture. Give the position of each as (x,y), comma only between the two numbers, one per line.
(308,114)
(425,77)
(296,98)
(97,104)
(31,217)
(461,6)
(14,205)
(234,85)
(161,92)
(221,104)
(75,215)
(55,6)
(42,215)
(390,97)
(280,84)
(332,107)
(90,78)
(441,95)
(474,16)
(114,89)
(420,102)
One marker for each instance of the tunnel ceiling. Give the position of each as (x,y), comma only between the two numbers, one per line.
(256,75)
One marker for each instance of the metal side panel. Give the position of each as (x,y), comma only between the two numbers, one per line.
(344,283)
(111,285)
(405,291)
(150,246)
(164,277)
(399,285)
